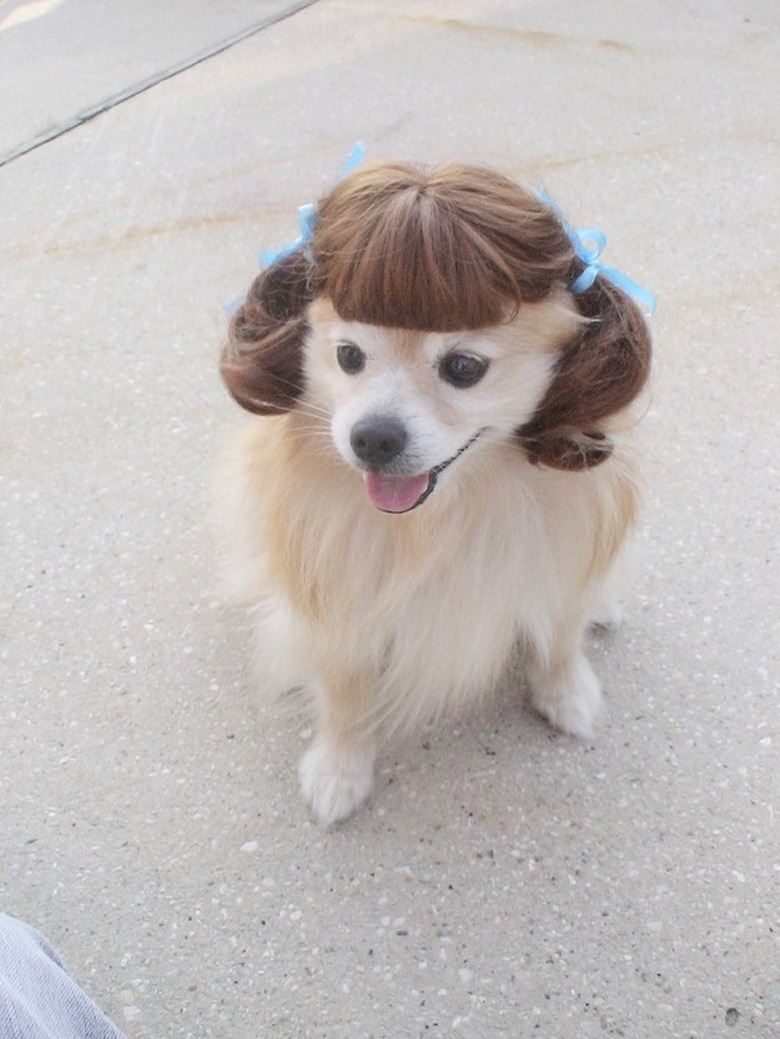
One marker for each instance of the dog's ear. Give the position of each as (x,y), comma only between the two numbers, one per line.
(598,374)
(262,360)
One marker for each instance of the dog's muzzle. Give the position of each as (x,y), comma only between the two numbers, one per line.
(378,442)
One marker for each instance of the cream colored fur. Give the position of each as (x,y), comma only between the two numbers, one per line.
(390,620)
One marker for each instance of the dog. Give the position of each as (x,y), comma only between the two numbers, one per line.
(445,466)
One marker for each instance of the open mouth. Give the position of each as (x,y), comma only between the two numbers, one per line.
(398,494)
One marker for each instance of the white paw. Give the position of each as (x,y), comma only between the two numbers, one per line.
(571,701)
(336,779)
(608,616)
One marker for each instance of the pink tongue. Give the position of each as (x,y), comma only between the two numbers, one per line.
(395,493)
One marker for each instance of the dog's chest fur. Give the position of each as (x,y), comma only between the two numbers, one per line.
(427,606)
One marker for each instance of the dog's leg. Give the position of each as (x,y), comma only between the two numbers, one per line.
(564,687)
(606,611)
(337,771)
(280,648)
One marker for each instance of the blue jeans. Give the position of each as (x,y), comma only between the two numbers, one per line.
(38,998)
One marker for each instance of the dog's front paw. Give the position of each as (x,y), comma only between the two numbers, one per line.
(335,779)
(570,698)
(608,616)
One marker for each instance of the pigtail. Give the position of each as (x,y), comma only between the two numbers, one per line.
(262,360)
(598,375)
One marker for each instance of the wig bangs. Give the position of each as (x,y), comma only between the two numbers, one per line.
(432,252)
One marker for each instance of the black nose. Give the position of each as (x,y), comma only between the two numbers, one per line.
(377,440)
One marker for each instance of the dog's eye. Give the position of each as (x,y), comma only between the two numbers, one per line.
(350,357)
(463,370)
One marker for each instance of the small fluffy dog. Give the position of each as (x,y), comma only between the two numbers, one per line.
(449,472)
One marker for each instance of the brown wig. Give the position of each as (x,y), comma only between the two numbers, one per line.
(438,250)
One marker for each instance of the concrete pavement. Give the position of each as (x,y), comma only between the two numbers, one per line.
(503,880)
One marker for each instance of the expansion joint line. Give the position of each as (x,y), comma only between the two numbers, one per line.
(87,114)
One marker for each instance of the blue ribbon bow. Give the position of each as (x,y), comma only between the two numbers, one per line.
(307,221)
(589,244)
(307,214)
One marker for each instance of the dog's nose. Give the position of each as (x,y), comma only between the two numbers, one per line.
(377,440)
